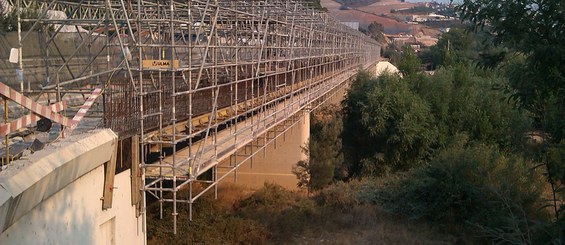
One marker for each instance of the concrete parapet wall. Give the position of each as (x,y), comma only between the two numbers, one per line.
(54,197)
(27,183)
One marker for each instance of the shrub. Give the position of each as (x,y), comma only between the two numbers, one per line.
(271,196)
(211,224)
(463,100)
(9,22)
(341,196)
(478,186)
(280,211)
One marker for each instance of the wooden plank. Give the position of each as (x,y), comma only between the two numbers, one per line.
(109,175)
(135,175)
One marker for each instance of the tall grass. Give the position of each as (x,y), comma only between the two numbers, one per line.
(273,215)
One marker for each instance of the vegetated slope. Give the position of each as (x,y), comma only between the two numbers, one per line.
(273,215)
(391,26)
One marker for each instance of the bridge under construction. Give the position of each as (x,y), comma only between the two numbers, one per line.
(184,85)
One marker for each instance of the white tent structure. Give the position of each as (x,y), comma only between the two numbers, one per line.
(385,66)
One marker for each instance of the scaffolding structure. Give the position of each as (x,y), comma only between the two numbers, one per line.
(191,83)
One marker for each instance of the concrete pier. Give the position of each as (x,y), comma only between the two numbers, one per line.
(274,163)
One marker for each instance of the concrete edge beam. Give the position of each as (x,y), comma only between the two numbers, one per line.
(50,170)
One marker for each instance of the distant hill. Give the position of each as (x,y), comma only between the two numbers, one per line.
(378,11)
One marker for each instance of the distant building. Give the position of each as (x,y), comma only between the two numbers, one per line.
(402,40)
(426,41)
(447,29)
(429,17)
(351,24)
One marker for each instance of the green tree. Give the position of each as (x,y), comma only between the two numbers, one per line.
(356,145)
(555,164)
(326,158)
(302,171)
(376,31)
(533,29)
(409,63)
(454,46)
(389,127)
(317,5)
(391,53)
(325,161)
(375,27)
(463,46)
(462,100)
(9,22)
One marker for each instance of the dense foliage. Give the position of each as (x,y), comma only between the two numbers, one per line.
(534,31)
(477,187)
(325,162)
(376,31)
(453,148)
(409,64)
(462,46)
(395,123)
(9,19)
(388,126)
(453,151)
(463,101)
(316,5)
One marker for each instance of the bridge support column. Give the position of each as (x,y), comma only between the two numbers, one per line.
(274,163)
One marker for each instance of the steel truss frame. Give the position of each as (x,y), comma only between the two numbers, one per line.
(222,77)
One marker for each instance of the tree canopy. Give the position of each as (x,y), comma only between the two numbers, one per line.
(535,30)
(376,31)
(409,64)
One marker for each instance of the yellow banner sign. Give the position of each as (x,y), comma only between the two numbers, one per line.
(160,64)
